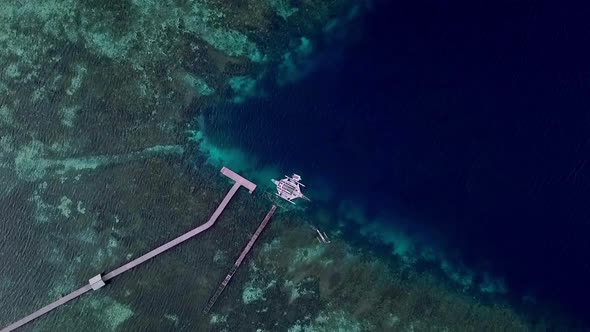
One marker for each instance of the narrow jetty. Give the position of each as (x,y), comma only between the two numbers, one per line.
(240,259)
(99,280)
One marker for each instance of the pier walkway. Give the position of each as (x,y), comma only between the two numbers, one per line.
(240,259)
(99,281)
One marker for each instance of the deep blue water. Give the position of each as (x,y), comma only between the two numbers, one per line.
(472,120)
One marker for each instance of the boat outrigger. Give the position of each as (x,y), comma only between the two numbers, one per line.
(289,188)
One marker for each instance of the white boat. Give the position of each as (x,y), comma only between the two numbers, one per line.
(289,188)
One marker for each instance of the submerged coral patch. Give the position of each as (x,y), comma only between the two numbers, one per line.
(28,163)
(65,206)
(6,116)
(69,115)
(328,322)
(296,63)
(251,294)
(114,313)
(244,87)
(283,8)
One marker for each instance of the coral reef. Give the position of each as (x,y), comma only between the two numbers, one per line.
(135,66)
(290,282)
(336,287)
(95,97)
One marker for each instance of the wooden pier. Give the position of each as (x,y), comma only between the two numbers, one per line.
(240,259)
(98,281)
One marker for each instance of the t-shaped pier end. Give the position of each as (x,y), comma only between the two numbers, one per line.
(238,179)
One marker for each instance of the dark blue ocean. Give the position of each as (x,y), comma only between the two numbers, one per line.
(470,123)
